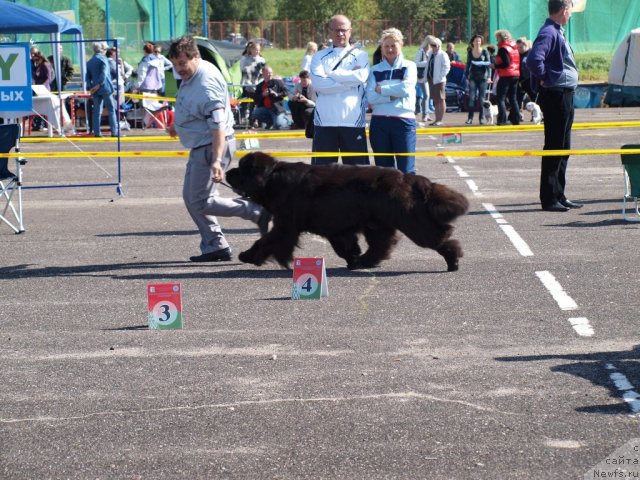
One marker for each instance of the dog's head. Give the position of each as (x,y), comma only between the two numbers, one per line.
(529,106)
(486,104)
(250,177)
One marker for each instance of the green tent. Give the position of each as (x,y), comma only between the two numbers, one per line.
(595,26)
(223,55)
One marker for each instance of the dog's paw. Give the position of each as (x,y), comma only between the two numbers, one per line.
(247,257)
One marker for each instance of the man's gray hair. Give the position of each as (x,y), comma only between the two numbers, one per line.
(100,47)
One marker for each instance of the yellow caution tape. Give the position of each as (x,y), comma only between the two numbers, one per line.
(306,154)
(284,134)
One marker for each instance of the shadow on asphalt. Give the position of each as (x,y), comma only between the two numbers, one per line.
(110,270)
(176,233)
(599,368)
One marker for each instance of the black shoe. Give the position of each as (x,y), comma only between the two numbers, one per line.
(555,207)
(223,255)
(263,222)
(469,121)
(569,204)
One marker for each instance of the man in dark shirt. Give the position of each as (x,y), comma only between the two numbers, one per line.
(66,70)
(269,101)
(555,75)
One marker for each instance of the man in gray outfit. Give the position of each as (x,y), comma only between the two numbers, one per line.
(204,124)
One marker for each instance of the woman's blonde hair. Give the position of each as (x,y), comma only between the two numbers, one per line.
(429,39)
(312,47)
(393,33)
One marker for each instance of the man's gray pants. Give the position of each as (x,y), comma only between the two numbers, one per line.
(204,203)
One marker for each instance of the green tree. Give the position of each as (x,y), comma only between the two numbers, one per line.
(479,13)
(91,12)
(242,10)
(413,10)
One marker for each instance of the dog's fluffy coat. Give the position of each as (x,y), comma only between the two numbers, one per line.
(489,112)
(536,112)
(339,202)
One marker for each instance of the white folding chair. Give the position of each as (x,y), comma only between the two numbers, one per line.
(154,111)
(11,183)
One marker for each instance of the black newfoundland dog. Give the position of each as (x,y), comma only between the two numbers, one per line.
(339,202)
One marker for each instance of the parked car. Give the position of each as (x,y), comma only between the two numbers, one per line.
(236,39)
(264,43)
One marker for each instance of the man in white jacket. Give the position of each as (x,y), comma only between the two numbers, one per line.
(339,75)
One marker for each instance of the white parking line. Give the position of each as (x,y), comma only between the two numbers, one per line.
(564,301)
(460,171)
(473,187)
(509,231)
(582,326)
(622,383)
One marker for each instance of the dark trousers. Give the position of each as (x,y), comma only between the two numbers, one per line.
(557,108)
(340,139)
(508,88)
(300,113)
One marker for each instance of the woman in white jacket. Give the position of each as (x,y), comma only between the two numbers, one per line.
(438,66)
(391,92)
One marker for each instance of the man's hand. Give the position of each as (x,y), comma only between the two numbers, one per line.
(217,171)
(171,130)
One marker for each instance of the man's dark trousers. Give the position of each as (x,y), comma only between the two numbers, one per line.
(558,110)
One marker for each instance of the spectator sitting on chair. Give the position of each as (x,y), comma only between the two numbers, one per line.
(269,101)
(150,71)
(66,72)
(302,101)
(41,74)
(167,66)
(451,52)
(41,71)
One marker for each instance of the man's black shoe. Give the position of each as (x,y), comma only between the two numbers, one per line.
(570,204)
(223,255)
(555,207)
(263,222)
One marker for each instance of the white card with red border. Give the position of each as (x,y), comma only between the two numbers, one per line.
(164,301)
(309,279)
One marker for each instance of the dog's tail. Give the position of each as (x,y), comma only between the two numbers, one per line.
(445,204)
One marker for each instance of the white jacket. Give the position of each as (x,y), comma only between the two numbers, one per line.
(441,66)
(340,92)
(421,62)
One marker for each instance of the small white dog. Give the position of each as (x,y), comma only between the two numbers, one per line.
(536,113)
(489,112)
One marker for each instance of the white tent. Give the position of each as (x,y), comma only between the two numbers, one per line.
(624,73)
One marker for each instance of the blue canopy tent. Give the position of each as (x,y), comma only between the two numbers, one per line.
(18,19)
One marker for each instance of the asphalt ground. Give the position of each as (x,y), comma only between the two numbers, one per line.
(522,364)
